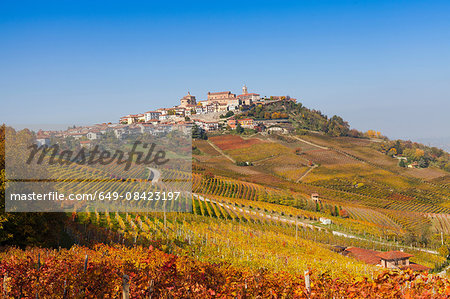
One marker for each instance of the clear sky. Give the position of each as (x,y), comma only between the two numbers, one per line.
(381,65)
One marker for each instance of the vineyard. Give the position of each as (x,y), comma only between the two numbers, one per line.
(108,271)
(382,202)
(243,230)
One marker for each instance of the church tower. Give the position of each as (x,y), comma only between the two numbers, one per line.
(244,89)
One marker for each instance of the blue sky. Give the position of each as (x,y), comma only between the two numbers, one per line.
(382,65)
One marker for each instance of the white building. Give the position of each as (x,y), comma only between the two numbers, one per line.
(207,125)
(41,141)
(93,135)
(149,115)
(325,221)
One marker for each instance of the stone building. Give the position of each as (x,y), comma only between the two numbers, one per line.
(188,100)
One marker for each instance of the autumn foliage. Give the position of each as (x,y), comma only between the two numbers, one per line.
(53,273)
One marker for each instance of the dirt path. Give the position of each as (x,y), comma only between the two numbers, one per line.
(310,143)
(306,173)
(221,152)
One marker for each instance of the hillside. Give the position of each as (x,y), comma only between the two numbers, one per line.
(299,119)
(349,175)
(254,220)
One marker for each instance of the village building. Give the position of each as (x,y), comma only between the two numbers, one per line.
(200,109)
(364,255)
(247,98)
(222,97)
(388,259)
(189,110)
(207,125)
(325,221)
(130,119)
(245,123)
(152,121)
(315,197)
(76,135)
(93,135)
(277,130)
(149,115)
(163,117)
(85,143)
(394,259)
(140,117)
(188,100)
(184,126)
(120,132)
(42,138)
(180,110)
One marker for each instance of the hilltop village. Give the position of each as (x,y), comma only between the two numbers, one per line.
(247,113)
(218,111)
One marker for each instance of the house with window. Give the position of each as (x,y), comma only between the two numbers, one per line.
(245,123)
(149,115)
(394,259)
(130,119)
(207,125)
(388,259)
(93,135)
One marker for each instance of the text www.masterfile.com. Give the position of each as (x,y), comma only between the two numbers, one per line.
(102,196)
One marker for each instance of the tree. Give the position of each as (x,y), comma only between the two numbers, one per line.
(423,162)
(402,163)
(419,153)
(198,133)
(229,113)
(392,152)
(26,229)
(337,126)
(239,128)
(398,147)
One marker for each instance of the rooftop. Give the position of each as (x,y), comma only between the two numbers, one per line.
(364,255)
(393,255)
(220,92)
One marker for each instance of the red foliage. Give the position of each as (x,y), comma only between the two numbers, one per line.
(158,274)
(229,142)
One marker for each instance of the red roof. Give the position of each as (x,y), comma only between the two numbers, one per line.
(394,255)
(220,92)
(249,94)
(364,255)
(415,267)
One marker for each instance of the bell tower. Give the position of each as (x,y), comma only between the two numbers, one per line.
(244,89)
